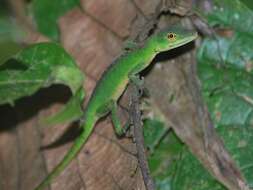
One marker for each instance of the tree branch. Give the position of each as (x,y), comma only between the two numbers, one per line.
(135,116)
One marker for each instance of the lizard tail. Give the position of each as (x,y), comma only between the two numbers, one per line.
(74,150)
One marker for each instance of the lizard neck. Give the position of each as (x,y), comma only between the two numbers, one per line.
(146,55)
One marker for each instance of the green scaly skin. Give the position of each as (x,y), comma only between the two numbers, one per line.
(112,84)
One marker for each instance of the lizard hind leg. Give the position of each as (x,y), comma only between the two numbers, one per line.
(119,129)
(71,154)
(111,107)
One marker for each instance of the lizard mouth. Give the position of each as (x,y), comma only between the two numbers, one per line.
(185,41)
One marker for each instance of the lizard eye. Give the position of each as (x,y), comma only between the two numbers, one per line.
(171,36)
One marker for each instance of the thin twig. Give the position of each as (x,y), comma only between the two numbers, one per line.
(135,115)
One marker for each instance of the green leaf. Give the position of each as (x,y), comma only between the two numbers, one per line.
(189,174)
(233,14)
(225,69)
(164,151)
(228,94)
(239,143)
(248,3)
(38,66)
(47,13)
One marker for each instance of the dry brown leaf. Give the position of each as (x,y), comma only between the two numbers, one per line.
(116,16)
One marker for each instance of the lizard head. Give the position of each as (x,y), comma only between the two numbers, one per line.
(172,37)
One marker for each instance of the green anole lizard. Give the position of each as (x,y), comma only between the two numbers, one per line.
(113,83)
